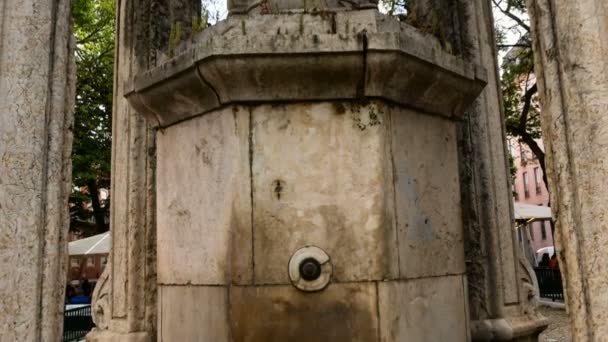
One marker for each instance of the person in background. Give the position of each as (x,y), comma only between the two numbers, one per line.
(80,299)
(86,287)
(553,262)
(544,262)
(83,294)
(70,292)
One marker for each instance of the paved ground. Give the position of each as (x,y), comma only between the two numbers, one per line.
(558,330)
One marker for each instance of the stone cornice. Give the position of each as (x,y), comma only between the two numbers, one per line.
(306,57)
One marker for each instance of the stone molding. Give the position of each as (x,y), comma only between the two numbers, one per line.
(306,57)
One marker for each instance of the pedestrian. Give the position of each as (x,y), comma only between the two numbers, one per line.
(544,262)
(553,262)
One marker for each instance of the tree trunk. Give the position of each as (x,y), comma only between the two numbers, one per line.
(98,212)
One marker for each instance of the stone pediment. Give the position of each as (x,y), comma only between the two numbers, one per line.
(306,57)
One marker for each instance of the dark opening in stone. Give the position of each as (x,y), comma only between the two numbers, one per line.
(310,269)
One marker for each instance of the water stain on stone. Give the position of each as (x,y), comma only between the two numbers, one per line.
(339,313)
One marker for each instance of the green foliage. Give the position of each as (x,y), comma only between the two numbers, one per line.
(522,115)
(518,83)
(395,7)
(427,19)
(91,152)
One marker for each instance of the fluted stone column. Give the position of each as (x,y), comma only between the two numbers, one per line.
(36,115)
(570,48)
(124,301)
(501,285)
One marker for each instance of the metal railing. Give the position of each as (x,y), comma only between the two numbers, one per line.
(550,283)
(77,323)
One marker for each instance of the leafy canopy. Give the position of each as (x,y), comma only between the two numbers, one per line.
(91,152)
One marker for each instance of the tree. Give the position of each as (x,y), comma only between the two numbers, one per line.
(91,151)
(518,83)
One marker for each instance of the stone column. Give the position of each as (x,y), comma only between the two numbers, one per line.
(36,114)
(501,285)
(124,301)
(570,47)
(307,180)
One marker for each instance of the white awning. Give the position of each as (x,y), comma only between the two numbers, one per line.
(531,212)
(96,244)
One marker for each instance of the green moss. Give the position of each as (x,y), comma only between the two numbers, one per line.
(175,37)
(339,108)
(366,114)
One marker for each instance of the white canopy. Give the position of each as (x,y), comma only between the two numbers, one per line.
(531,212)
(96,244)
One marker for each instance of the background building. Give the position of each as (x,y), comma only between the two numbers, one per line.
(88,258)
(529,188)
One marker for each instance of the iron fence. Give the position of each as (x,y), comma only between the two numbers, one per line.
(550,283)
(77,323)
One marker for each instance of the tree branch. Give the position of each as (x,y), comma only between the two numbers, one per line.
(512,16)
(102,24)
(523,117)
(502,46)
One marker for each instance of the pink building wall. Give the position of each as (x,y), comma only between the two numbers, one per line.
(528,168)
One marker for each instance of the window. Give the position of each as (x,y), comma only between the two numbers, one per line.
(74,262)
(537,179)
(103,261)
(543,230)
(523,157)
(526,185)
(514,190)
(90,262)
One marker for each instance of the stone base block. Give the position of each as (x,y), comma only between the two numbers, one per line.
(111,336)
(429,309)
(193,313)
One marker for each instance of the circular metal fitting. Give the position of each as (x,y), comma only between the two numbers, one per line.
(310,269)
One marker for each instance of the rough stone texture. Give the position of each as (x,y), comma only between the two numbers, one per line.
(36,103)
(570,45)
(204,200)
(427,195)
(194,313)
(342,312)
(496,279)
(322,176)
(438,305)
(492,258)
